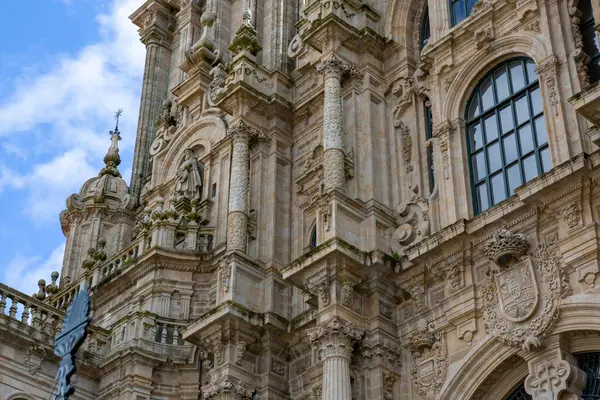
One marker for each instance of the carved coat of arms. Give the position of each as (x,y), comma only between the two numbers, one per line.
(521,301)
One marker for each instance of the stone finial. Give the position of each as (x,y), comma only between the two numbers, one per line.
(53,287)
(41,294)
(246,37)
(204,50)
(89,261)
(112,159)
(505,247)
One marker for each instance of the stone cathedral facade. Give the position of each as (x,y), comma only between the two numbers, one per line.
(339,200)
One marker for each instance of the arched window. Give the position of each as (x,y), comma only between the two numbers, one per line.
(519,394)
(507,140)
(425,29)
(460,9)
(589,34)
(313,238)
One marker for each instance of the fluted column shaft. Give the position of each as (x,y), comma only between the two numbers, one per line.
(334,340)
(332,68)
(237,219)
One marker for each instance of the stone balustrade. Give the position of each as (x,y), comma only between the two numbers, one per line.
(41,321)
(120,260)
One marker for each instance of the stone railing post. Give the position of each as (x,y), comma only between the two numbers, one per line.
(335,340)
(237,219)
(333,68)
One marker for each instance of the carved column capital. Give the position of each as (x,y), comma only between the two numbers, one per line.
(156,25)
(335,338)
(333,66)
(241,131)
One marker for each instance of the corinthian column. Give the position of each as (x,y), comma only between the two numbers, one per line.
(237,219)
(335,340)
(332,68)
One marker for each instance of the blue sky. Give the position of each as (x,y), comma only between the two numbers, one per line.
(65,70)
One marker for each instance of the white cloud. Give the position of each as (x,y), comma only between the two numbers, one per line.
(23,273)
(63,114)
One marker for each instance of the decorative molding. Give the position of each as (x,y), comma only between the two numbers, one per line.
(547,71)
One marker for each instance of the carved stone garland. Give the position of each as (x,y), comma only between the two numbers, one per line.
(522,296)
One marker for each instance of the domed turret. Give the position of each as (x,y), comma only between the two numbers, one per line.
(101,213)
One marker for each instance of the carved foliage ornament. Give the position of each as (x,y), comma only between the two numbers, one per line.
(335,338)
(413,223)
(430,359)
(547,72)
(522,298)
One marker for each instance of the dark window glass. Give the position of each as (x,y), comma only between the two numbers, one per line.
(425,29)
(507,142)
(429,135)
(519,394)
(591,45)
(590,364)
(214,190)
(313,238)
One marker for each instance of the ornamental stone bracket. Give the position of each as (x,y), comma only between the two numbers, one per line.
(226,389)
(413,223)
(547,71)
(204,51)
(523,293)
(430,359)
(554,375)
(156,23)
(378,349)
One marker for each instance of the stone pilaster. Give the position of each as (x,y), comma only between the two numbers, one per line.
(155,24)
(553,373)
(335,340)
(333,68)
(237,219)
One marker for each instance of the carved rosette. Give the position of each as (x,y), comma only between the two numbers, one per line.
(522,299)
(430,359)
(335,338)
(572,215)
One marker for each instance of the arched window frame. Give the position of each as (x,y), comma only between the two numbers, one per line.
(519,393)
(535,120)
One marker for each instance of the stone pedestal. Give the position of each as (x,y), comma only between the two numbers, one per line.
(335,340)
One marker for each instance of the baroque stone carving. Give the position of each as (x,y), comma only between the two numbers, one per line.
(347,292)
(553,377)
(240,347)
(547,72)
(430,363)
(324,294)
(413,223)
(388,380)
(36,355)
(581,59)
(572,215)
(379,350)
(506,247)
(335,338)
(522,298)
(227,389)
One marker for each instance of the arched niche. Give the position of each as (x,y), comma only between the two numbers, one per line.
(202,135)
(403,19)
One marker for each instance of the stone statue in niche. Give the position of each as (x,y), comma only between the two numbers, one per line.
(190,177)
